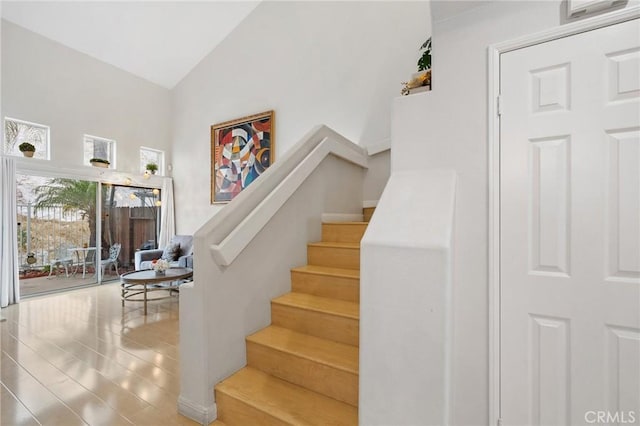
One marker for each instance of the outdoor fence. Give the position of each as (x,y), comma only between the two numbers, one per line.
(50,232)
(44,231)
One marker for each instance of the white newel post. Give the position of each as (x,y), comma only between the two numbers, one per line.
(405,302)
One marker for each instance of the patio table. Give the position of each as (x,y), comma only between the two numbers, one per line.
(84,251)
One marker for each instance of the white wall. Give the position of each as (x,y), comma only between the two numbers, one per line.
(454,121)
(48,83)
(333,63)
(377,175)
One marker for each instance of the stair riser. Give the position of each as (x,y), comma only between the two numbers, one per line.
(325,379)
(368,212)
(234,412)
(319,324)
(343,232)
(336,257)
(326,286)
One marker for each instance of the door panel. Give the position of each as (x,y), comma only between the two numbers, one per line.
(570,228)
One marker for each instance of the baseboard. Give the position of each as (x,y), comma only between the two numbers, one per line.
(342,217)
(369,203)
(196,412)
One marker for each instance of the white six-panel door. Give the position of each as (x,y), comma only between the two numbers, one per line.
(570,229)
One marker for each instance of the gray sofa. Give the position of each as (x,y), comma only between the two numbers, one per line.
(143,258)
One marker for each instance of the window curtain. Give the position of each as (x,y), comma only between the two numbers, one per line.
(167,215)
(9,281)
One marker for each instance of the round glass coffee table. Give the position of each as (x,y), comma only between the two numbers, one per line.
(136,285)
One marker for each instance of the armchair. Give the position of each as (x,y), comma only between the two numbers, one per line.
(143,258)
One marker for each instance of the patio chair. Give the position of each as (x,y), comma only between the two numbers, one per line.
(112,260)
(60,259)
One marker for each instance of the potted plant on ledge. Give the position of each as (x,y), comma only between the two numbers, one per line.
(27,149)
(420,81)
(99,162)
(152,168)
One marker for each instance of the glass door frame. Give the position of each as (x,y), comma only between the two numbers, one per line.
(101,177)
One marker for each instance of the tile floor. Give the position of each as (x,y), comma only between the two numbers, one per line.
(32,286)
(80,358)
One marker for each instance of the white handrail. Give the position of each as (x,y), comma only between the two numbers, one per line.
(240,221)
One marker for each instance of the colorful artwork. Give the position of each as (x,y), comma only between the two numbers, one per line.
(241,150)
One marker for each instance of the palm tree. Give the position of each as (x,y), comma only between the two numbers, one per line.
(72,195)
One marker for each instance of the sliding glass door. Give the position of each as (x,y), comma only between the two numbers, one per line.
(68,237)
(56,233)
(130,222)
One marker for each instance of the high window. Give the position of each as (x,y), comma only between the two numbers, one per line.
(17,132)
(151,156)
(97,147)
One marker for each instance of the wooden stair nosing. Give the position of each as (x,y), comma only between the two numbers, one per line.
(334,254)
(335,283)
(351,224)
(311,348)
(367,213)
(343,231)
(296,363)
(324,305)
(328,271)
(335,244)
(286,402)
(320,324)
(238,411)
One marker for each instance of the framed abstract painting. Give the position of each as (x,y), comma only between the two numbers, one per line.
(241,150)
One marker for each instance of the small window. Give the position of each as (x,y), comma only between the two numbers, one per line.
(151,156)
(96,147)
(17,132)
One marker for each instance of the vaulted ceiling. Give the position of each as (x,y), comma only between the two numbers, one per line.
(158,41)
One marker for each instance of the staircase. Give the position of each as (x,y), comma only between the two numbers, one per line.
(303,368)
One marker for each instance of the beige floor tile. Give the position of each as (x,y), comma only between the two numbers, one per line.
(55,416)
(121,400)
(88,406)
(12,412)
(42,403)
(81,358)
(152,416)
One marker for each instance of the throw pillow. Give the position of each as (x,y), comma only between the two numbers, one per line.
(171,252)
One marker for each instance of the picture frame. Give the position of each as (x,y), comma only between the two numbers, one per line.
(241,150)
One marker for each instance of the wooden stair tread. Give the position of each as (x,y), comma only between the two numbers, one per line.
(334,354)
(285,401)
(347,223)
(327,270)
(320,304)
(367,212)
(218,423)
(333,244)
